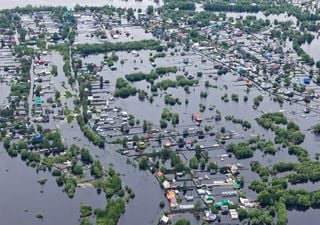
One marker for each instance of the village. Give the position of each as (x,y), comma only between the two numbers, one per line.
(209,104)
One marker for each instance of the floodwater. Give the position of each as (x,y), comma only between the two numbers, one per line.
(260,15)
(21,199)
(56,207)
(147,190)
(5,91)
(19,190)
(70,4)
(313,48)
(311,216)
(152,112)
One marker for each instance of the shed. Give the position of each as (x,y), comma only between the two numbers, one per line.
(38,101)
(38,138)
(306,80)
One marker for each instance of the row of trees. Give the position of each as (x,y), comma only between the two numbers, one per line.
(153,75)
(87,49)
(89,133)
(265,6)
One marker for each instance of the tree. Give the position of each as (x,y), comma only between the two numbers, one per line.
(265,198)
(149,10)
(57,95)
(77,169)
(175,119)
(242,214)
(212,166)
(198,152)
(316,129)
(163,124)
(54,70)
(292,126)
(55,37)
(6,143)
(56,173)
(38,90)
(162,204)
(194,163)
(143,163)
(101,82)
(130,14)
(96,169)
(145,126)
(311,73)
(86,156)
(241,150)
(85,221)
(318,65)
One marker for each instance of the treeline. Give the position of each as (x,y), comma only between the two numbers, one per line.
(7,20)
(244,123)
(300,39)
(221,6)
(89,133)
(109,10)
(112,186)
(276,196)
(181,5)
(266,6)
(304,56)
(30,9)
(112,212)
(87,49)
(153,75)
(294,199)
(181,81)
(252,24)
(244,150)
(289,135)
(303,172)
(284,32)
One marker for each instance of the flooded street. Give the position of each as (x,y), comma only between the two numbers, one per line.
(145,186)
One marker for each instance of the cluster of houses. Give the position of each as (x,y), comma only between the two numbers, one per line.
(201,192)
(98,27)
(9,64)
(250,57)
(38,24)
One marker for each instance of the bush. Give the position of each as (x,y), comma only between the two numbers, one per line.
(162,204)
(85,211)
(96,169)
(56,173)
(316,129)
(241,150)
(143,163)
(194,163)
